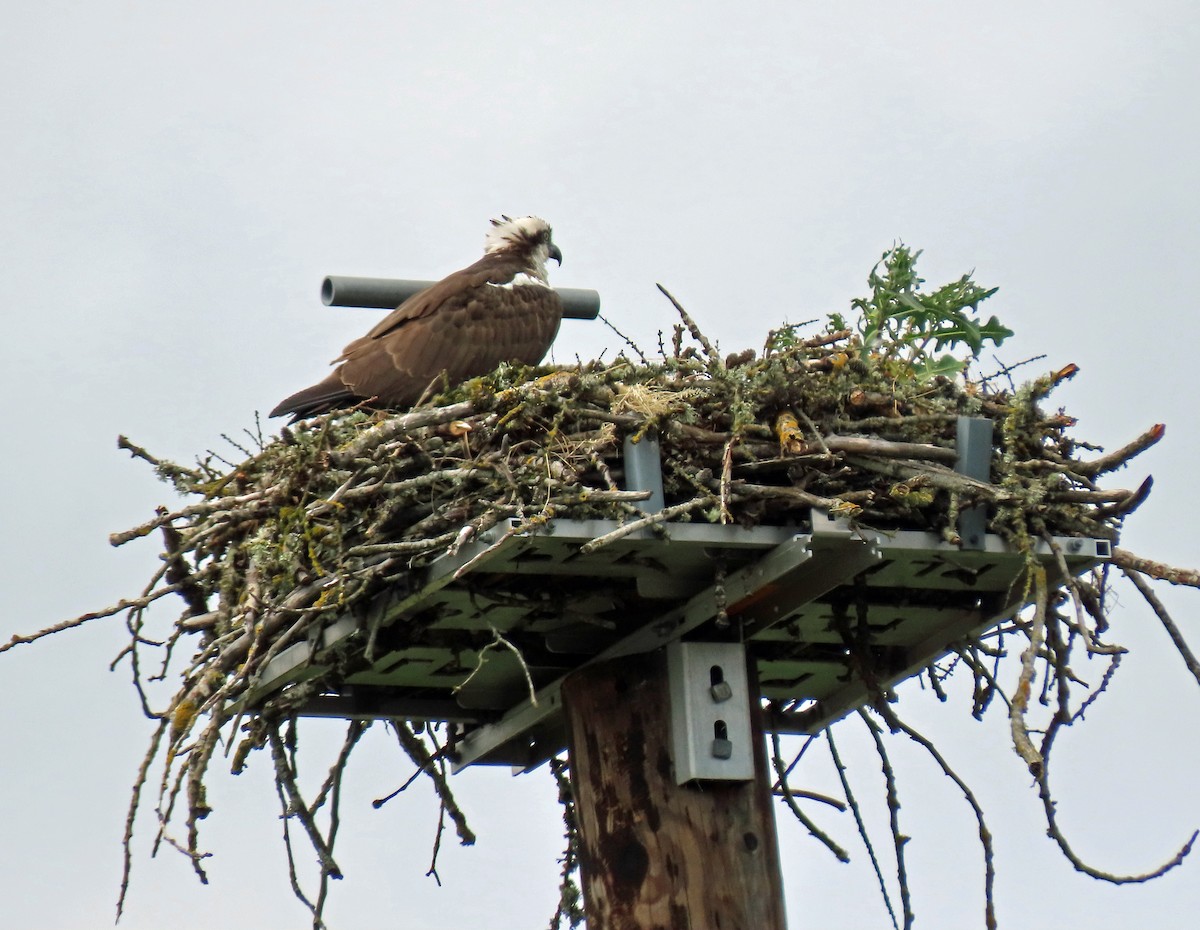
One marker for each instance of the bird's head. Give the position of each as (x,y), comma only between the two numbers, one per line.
(527,235)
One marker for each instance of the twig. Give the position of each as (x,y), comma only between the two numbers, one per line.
(798,812)
(1160,611)
(399,425)
(861,825)
(726,478)
(333,790)
(816,433)
(500,641)
(123,605)
(620,335)
(662,516)
(1071,583)
(1114,460)
(285,777)
(204,508)
(168,468)
(425,761)
(861,445)
(935,474)
(714,356)
(1124,559)
(1128,504)
(743,490)
(899,840)
(1020,700)
(139,782)
(1055,833)
(985,835)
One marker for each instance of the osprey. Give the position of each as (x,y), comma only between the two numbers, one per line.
(500,309)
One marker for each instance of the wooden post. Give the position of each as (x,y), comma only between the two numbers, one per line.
(655,854)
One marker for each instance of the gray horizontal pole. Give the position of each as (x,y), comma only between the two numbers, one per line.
(389,293)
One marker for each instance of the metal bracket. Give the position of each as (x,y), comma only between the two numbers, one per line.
(710,712)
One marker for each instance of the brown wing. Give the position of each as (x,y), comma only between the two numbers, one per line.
(496,269)
(465,325)
(466,335)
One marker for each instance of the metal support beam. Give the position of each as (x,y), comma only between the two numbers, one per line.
(367,706)
(974,461)
(643,470)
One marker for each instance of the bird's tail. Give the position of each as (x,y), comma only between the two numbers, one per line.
(330,394)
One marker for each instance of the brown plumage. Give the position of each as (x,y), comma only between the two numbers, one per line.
(500,309)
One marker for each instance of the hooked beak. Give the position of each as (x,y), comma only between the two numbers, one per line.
(555,254)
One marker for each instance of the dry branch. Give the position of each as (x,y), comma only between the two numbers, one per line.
(1125,559)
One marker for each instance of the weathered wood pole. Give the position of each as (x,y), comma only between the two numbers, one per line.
(655,854)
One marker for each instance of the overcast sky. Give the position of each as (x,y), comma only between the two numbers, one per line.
(177,179)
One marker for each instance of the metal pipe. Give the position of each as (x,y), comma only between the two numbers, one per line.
(389,293)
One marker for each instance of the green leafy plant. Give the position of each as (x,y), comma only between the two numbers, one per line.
(917,332)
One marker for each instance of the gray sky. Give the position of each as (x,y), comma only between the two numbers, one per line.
(177,180)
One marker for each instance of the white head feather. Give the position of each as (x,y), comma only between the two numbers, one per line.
(521,233)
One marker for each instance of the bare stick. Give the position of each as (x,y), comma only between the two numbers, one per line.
(132,604)
(713,355)
(620,335)
(985,835)
(425,761)
(1115,460)
(131,814)
(500,641)
(1160,610)
(1055,833)
(1020,700)
(194,510)
(936,475)
(893,803)
(399,425)
(286,778)
(798,812)
(1127,504)
(668,513)
(1125,559)
(1072,585)
(861,445)
(861,824)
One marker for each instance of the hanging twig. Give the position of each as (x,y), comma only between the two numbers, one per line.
(861,825)
(1020,700)
(1160,611)
(899,840)
(797,811)
(286,778)
(428,762)
(985,835)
